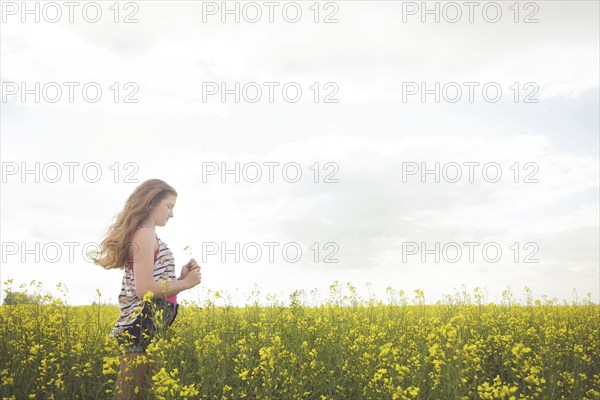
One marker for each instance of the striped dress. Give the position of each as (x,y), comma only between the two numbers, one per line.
(130,304)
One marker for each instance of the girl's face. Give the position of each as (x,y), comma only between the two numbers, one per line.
(164,210)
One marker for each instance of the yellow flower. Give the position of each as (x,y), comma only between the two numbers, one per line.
(148,296)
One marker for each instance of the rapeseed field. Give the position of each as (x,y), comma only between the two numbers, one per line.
(345,348)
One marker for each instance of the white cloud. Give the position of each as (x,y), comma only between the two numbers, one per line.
(369,134)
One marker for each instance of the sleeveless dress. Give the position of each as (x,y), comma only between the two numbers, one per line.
(131,306)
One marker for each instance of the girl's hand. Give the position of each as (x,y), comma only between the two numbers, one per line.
(190,266)
(193,278)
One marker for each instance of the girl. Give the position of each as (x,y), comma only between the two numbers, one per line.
(133,245)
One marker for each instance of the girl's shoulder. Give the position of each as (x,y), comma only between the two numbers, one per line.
(143,226)
(147,228)
(145,233)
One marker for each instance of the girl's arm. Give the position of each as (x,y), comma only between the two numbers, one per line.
(144,240)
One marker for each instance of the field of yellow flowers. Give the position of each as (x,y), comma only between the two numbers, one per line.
(344,349)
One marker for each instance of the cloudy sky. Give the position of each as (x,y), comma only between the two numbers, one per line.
(361,130)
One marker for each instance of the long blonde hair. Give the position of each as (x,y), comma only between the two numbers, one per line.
(137,208)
